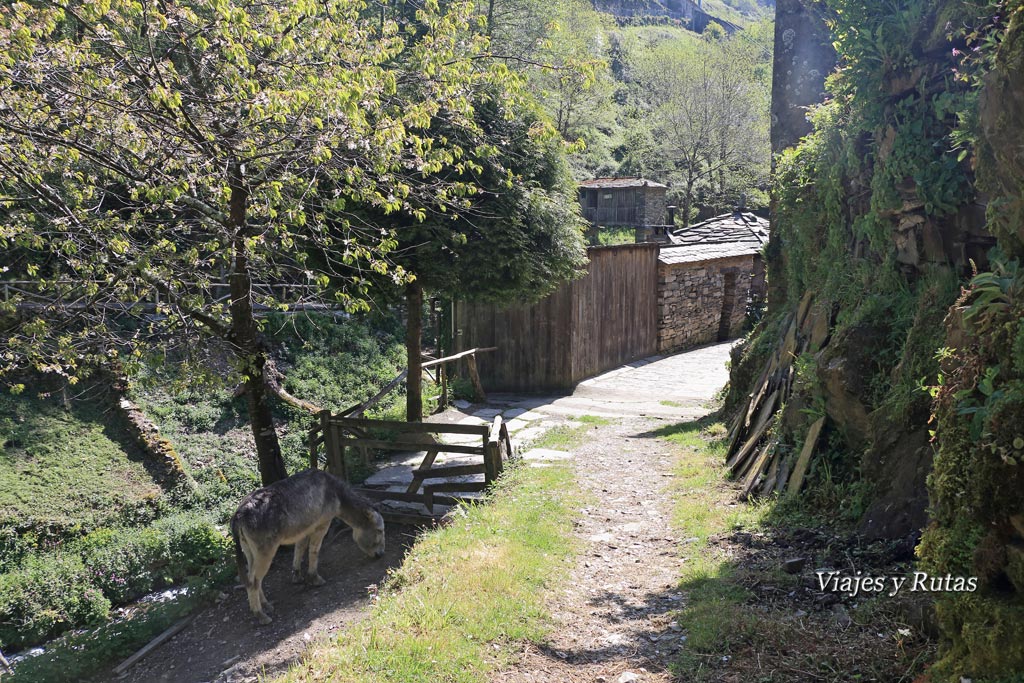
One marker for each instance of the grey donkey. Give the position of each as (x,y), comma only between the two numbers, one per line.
(298,510)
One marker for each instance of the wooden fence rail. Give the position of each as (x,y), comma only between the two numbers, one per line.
(337,434)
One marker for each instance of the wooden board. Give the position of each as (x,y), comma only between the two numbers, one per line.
(411,427)
(411,446)
(800,469)
(586,326)
(757,431)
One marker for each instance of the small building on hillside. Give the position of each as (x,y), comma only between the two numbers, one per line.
(626,202)
(707,275)
(623,201)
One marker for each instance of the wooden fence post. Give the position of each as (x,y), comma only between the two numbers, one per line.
(334,451)
(313,461)
(492,452)
(474,376)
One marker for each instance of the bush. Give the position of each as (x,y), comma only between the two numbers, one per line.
(53,592)
(45,596)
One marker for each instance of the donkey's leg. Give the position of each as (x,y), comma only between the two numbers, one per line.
(258,603)
(316,537)
(300,551)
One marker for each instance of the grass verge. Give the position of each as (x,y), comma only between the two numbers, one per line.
(745,618)
(464,591)
(565,437)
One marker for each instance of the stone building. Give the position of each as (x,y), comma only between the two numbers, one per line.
(623,201)
(707,275)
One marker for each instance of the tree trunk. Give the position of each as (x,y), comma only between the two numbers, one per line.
(413,340)
(490,18)
(245,339)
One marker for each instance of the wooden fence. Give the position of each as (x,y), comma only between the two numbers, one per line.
(587,326)
(338,434)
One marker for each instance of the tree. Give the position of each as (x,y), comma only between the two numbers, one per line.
(706,106)
(200,152)
(518,236)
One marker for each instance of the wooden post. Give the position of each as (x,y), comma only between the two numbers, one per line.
(313,461)
(474,376)
(492,452)
(334,451)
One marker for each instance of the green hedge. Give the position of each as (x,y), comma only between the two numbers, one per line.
(51,593)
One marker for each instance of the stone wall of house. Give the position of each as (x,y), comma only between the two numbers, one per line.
(652,206)
(691,297)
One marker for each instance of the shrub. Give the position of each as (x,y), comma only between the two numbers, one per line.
(46,596)
(53,592)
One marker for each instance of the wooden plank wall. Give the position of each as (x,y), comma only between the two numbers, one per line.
(602,320)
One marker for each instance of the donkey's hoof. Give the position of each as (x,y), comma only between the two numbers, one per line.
(315,580)
(298,576)
(263,618)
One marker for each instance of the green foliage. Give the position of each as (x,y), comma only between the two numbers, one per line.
(51,592)
(337,363)
(611,236)
(45,596)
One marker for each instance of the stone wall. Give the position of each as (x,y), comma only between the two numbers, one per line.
(651,205)
(691,298)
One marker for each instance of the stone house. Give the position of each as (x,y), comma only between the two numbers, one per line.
(632,202)
(707,274)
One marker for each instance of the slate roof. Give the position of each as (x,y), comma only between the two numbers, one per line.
(725,236)
(607,183)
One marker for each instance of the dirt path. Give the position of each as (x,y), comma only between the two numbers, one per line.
(612,617)
(615,619)
(225,644)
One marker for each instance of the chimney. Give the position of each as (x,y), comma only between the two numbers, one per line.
(671,216)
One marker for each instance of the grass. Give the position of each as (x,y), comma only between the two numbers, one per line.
(464,592)
(59,465)
(566,437)
(738,621)
(671,404)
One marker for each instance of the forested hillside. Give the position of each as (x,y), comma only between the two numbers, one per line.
(897,224)
(645,96)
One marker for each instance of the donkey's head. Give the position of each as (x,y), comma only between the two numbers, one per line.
(369,533)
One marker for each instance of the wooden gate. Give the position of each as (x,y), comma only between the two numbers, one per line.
(337,435)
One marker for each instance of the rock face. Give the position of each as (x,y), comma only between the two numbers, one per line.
(803,57)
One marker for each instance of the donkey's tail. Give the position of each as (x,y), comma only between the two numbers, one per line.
(243,569)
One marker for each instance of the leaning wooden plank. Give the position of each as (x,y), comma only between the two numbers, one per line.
(418,475)
(4,663)
(800,469)
(784,468)
(734,429)
(154,644)
(757,469)
(772,476)
(744,466)
(411,427)
(757,431)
